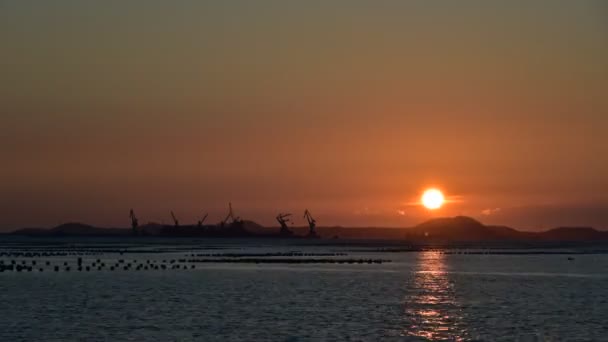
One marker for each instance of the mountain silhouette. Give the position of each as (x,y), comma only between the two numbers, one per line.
(466,229)
(454,228)
(574,234)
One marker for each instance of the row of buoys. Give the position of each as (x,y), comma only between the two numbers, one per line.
(96,266)
(77,252)
(45,254)
(526,252)
(284,254)
(397,250)
(288,261)
(176,264)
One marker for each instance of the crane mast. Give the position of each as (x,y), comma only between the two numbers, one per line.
(312,224)
(134,222)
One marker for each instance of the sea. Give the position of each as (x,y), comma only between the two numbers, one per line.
(68,289)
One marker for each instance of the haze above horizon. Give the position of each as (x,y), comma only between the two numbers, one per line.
(349,108)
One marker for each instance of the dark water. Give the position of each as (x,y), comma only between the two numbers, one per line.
(419,296)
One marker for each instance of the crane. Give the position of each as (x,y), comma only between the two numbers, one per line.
(230,217)
(283,219)
(134,222)
(174,219)
(312,223)
(201,221)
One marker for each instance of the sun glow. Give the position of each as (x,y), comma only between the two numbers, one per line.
(432,199)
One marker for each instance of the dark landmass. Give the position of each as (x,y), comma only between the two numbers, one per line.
(441,230)
(73,229)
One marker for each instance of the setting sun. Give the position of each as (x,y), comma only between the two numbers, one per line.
(432,199)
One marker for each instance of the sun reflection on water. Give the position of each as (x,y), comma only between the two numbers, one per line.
(431,310)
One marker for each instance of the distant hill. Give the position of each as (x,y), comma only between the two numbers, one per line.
(462,228)
(574,234)
(254,227)
(454,229)
(449,229)
(506,232)
(466,229)
(73,229)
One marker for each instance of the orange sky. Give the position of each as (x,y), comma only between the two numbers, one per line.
(349,109)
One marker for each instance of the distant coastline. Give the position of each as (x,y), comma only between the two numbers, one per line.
(453,229)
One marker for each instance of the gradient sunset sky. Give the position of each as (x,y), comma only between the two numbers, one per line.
(348,108)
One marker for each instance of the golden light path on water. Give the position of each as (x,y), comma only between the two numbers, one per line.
(431,309)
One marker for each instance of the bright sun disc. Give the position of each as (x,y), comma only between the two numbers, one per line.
(432,199)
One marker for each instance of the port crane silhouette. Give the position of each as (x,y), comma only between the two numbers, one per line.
(201,221)
(134,222)
(233,225)
(283,219)
(175,220)
(312,224)
(230,218)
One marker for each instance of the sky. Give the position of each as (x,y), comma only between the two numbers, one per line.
(348,108)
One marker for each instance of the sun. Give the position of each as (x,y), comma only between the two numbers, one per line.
(432,199)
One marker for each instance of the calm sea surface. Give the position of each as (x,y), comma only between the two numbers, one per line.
(427,295)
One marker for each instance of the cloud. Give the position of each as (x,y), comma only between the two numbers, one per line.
(490,211)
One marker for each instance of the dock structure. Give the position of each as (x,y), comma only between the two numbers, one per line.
(231,226)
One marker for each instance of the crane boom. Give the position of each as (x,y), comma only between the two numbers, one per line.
(174,219)
(234,220)
(201,221)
